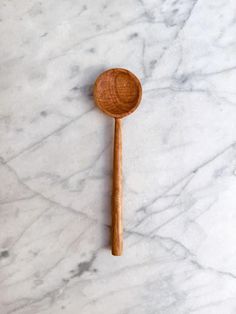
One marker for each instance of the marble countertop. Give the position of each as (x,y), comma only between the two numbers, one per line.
(179,154)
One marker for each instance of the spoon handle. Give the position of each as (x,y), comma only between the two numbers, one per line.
(117,228)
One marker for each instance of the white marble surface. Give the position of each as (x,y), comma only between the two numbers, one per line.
(179,158)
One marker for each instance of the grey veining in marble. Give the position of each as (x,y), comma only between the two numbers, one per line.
(179,158)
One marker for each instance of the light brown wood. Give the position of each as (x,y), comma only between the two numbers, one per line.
(117,228)
(117,92)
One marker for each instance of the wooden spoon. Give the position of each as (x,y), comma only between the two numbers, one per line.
(117,92)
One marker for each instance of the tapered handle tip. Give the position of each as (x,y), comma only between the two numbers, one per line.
(117,249)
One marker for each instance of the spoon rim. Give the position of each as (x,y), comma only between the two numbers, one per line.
(117,115)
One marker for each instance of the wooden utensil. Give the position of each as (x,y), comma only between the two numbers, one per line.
(117,92)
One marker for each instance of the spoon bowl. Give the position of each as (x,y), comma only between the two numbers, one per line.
(117,92)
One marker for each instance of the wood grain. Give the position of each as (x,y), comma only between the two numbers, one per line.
(117,228)
(117,92)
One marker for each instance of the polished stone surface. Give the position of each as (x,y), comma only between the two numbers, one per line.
(179,158)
